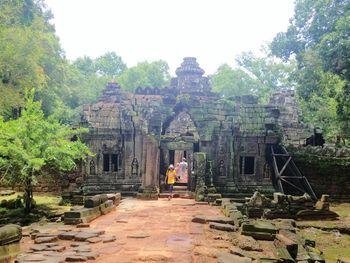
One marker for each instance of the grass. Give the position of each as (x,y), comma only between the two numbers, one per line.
(334,245)
(47,205)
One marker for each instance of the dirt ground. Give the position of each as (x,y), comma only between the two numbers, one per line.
(162,231)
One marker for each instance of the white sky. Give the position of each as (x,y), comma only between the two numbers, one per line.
(214,31)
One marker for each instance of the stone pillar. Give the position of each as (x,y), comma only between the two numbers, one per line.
(151,173)
(200,163)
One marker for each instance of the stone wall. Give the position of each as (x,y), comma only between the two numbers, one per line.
(327,169)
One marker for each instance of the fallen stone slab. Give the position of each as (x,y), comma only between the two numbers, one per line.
(229,258)
(67,235)
(39,247)
(96,231)
(83,236)
(238,252)
(32,258)
(283,255)
(285,224)
(108,239)
(315,254)
(79,244)
(89,255)
(199,219)
(82,215)
(303,255)
(49,239)
(222,227)
(83,225)
(138,235)
(247,243)
(316,215)
(259,229)
(220,219)
(288,240)
(56,248)
(94,240)
(38,234)
(94,201)
(82,249)
(76,258)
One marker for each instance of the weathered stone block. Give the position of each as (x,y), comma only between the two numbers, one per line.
(83,215)
(316,215)
(10,234)
(222,227)
(283,255)
(259,230)
(289,241)
(107,207)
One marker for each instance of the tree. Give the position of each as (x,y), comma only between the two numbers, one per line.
(110,64)
(31,143)
(154,74)
(232,82)
(30,52)
(318,36)
(259,76)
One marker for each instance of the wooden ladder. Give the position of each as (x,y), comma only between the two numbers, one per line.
(295,178)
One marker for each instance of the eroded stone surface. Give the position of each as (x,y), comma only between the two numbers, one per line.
(222,227)
(76,258)
(49,239)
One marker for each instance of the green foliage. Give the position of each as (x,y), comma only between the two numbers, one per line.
(254,76)
(153,74)
(31,56)
(231,82)
(31,143)
(318,36)
(110,65)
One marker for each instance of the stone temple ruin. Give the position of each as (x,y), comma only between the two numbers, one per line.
(137,135)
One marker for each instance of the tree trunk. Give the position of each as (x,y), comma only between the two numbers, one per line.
(28,195)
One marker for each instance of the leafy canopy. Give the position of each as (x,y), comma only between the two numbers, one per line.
(31,143)
(318,37)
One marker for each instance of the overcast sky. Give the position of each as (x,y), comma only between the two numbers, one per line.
(214,31)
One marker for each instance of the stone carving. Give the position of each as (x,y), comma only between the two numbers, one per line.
(134,167)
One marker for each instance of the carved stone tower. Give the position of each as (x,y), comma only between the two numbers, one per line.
(190,78)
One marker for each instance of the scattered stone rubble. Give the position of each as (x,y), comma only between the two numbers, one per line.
(53,244)
(94,206)
(288,206)
(260,218)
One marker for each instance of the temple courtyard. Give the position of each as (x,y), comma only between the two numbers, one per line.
(165,231)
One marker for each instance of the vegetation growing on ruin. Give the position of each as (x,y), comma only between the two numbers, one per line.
(32,144)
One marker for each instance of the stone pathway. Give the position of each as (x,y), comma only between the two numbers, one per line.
(153,231)
(144,231)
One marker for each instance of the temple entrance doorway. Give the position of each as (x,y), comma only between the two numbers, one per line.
(181,160)
(179,140)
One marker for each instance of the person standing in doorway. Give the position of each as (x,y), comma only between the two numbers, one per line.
(170,179)
(184,169)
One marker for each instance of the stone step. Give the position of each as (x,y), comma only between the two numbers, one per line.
(180,188)
(176,195)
